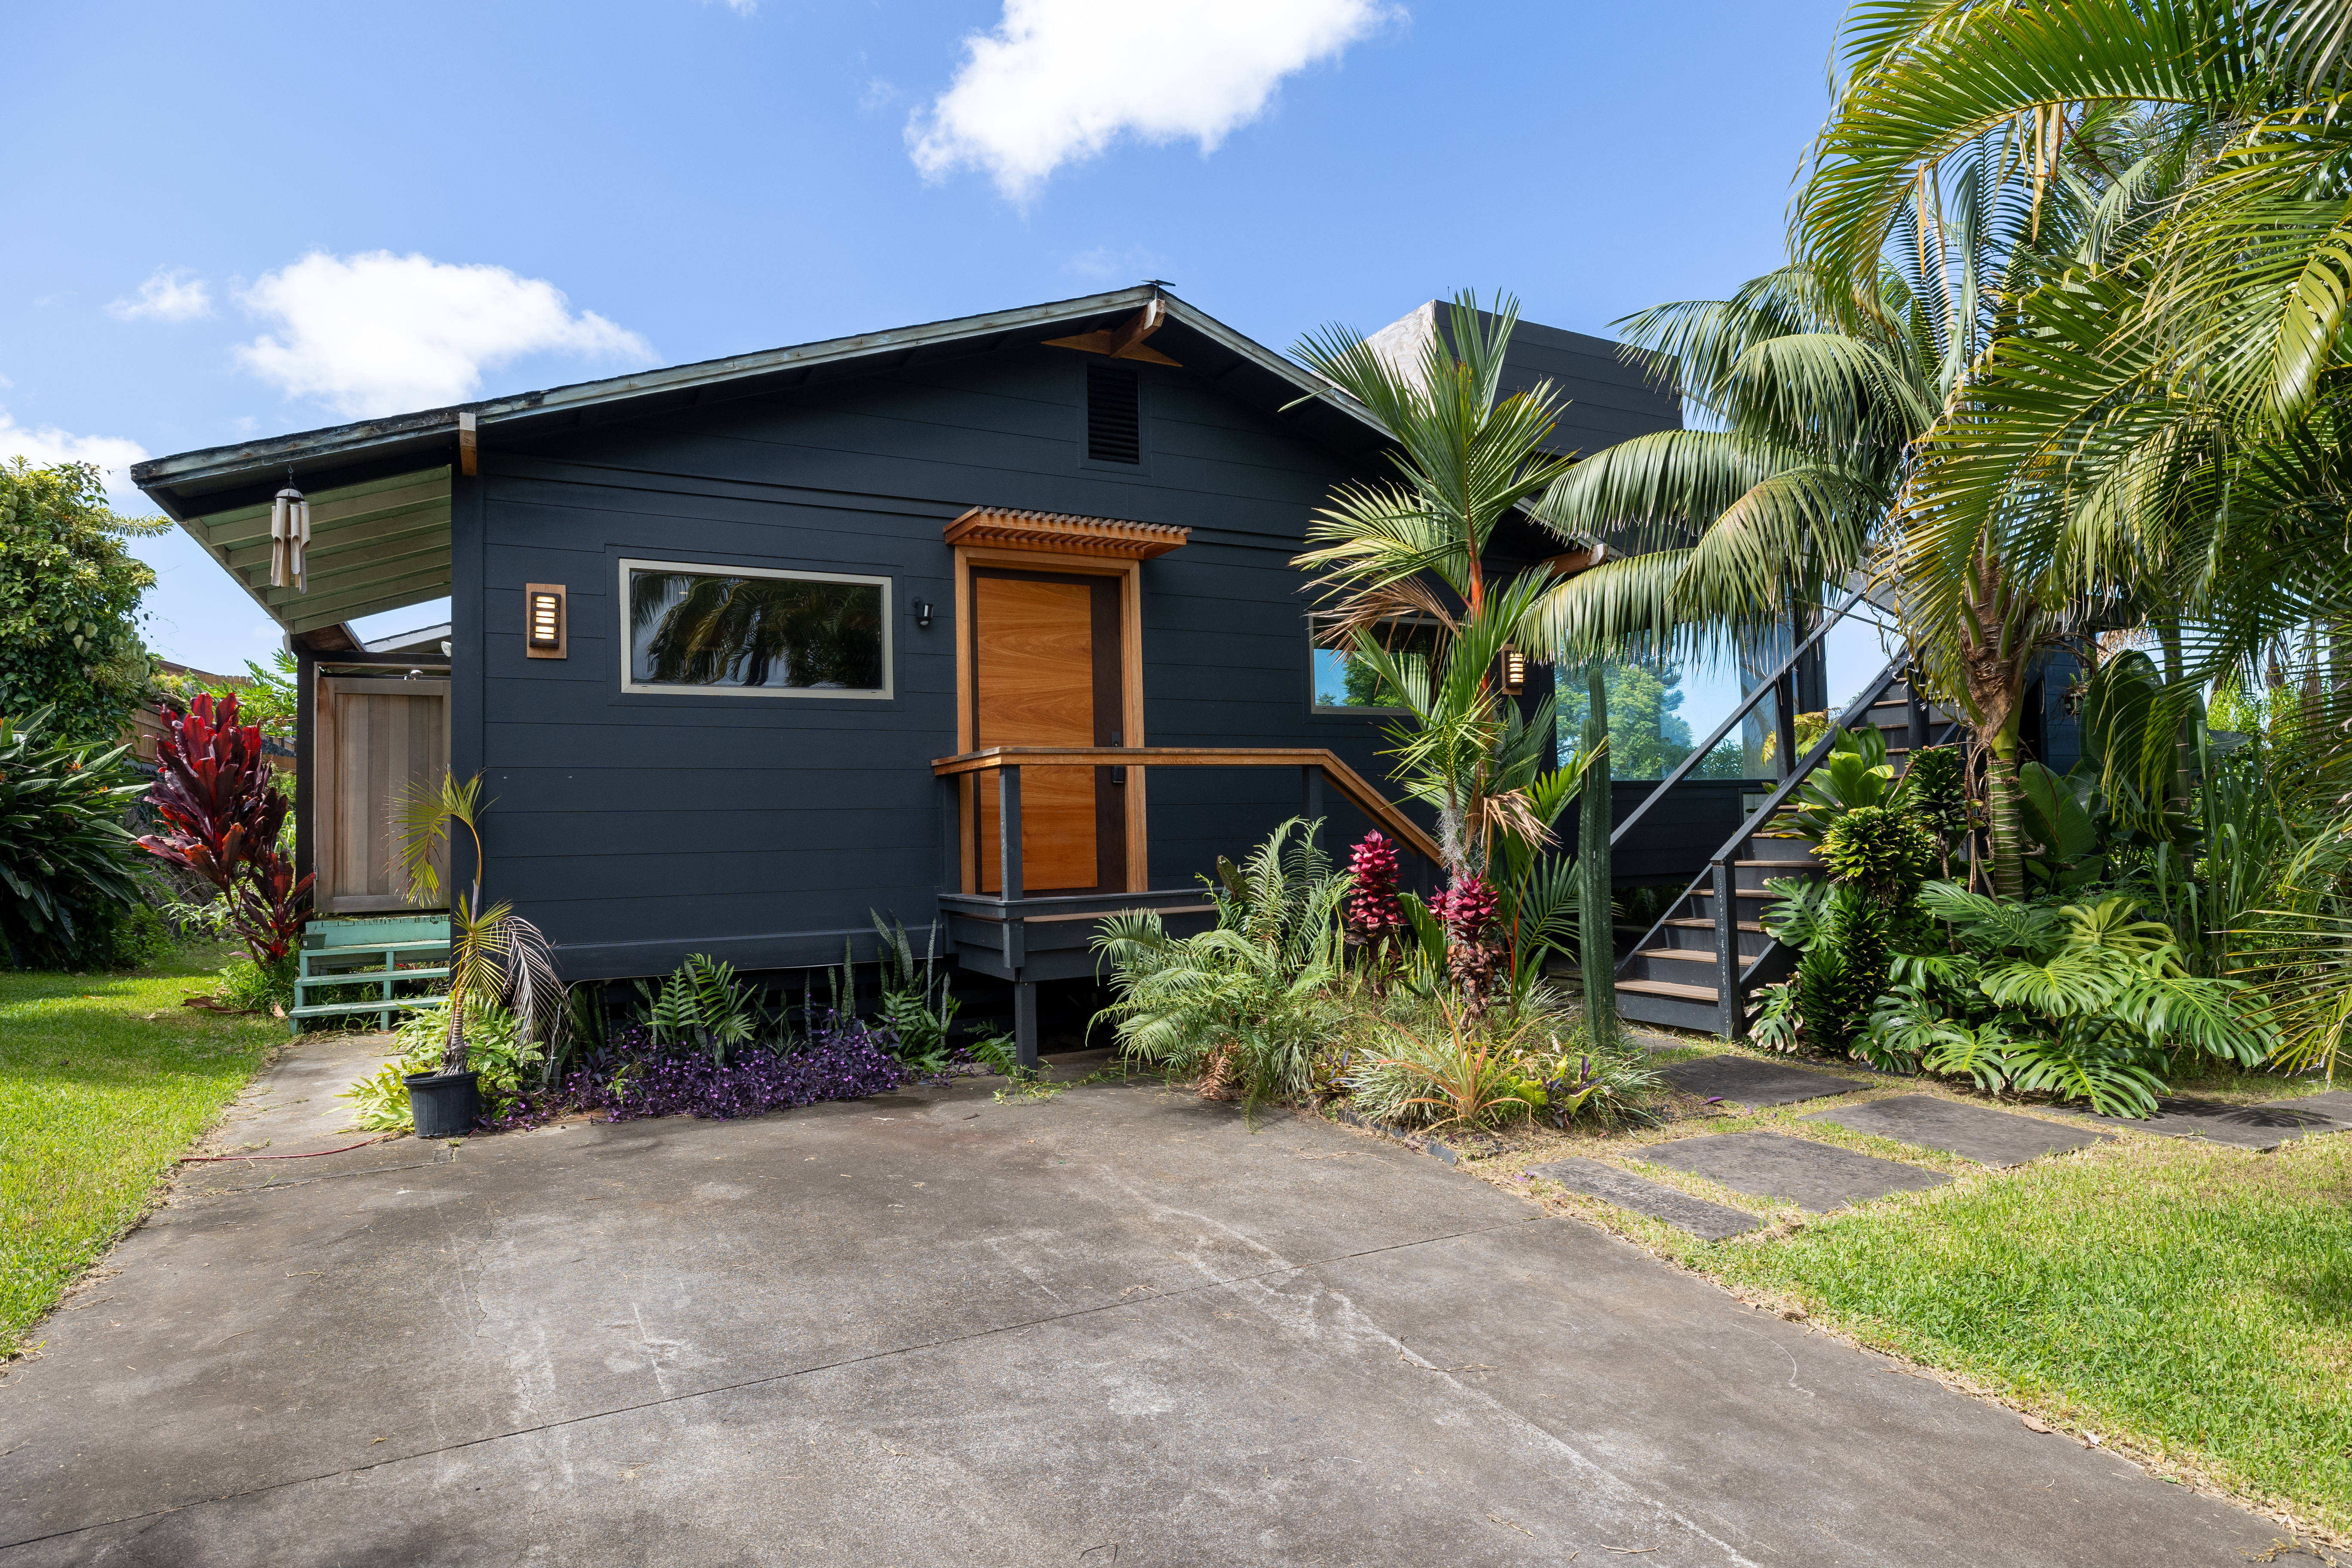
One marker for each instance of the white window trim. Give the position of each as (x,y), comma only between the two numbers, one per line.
(1314,647)
(722,569)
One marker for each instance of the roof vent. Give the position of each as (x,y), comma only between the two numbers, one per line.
(1113,415)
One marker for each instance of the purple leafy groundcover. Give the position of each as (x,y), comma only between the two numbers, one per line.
(632,1077)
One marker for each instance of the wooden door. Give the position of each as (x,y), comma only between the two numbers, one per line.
(1045,668)
(374,738)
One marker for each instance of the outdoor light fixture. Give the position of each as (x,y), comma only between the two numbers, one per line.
(923,608)
(289,538)
(543,629)
(1515,670)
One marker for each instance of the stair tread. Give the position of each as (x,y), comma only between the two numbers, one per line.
(1808,865)
(1668,988)
(1683,955)
(1694,923)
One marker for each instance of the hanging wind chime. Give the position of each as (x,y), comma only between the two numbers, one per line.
(289,538)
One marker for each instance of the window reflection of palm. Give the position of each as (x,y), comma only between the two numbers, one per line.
(755,631)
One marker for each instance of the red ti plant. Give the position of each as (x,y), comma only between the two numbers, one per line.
(220,814)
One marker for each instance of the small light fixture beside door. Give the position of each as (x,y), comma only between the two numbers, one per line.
(1515,670)
(545,632)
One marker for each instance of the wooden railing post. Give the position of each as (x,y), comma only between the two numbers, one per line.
(951,835)
(1008,831)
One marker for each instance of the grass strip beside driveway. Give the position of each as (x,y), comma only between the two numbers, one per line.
(97,1102)
(2196,1300)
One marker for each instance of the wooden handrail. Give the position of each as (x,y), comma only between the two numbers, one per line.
(1350,782)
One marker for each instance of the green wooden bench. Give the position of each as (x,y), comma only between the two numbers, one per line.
(367,953)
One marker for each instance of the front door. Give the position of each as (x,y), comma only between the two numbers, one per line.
(1045,663)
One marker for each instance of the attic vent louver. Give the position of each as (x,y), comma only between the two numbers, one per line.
(1114,418)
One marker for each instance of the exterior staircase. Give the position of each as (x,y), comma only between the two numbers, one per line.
(1711,943)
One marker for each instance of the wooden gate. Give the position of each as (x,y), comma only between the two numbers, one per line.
(375,737)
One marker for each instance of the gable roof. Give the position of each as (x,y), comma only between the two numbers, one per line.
(380,489)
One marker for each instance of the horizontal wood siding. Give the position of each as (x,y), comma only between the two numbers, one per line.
(636,827)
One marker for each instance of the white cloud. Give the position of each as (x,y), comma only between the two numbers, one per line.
(381,334)
(743,7)
(48,446)
(1062,79)
(168,295)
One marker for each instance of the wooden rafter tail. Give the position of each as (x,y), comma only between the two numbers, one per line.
(1124,341)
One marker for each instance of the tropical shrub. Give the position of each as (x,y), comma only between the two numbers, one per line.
(499,1055)
(702,1004)
(66,858)
(1249,1001)
(222,813)
(69,592)
(2077,1001)
(633,1076)
(1884,852)
(1445,1072)
(1602,1086)
(1845,939)
(915,1006)
(1854,772)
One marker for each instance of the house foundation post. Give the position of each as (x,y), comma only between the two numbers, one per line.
(1024,1023)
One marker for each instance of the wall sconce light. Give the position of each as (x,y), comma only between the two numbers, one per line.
(544,628)
(1515,671)
(924,609)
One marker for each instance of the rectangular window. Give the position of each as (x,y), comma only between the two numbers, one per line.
(1113,415)
(1347,683)
(749,631)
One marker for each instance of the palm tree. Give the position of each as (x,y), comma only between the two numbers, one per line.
(495,954)
(2159,436)
(1412,549)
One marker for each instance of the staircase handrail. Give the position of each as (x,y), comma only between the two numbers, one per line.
(1699,752)
(1772,804)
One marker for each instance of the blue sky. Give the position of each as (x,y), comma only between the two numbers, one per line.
(567,191)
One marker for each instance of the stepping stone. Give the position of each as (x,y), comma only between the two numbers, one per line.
(1972,1132)
(1708,1222)
(1743,1080)
(1813,1175)
(2256,1127)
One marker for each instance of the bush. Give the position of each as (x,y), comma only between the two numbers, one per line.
(1884,852)
(138,938)
(492,1051)
(66,858)
(635,1076)
(69,590)
(1250,1002)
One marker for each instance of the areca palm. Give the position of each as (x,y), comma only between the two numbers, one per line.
(1413,549)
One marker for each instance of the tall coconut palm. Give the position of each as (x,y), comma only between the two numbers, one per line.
(2158,438)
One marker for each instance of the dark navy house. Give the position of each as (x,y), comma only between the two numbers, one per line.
(990,620)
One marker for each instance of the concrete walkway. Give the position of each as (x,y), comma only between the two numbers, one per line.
(1116,1326)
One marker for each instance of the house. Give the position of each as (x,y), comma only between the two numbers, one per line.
(737,646)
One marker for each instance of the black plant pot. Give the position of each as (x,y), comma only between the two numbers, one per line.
(445,1103)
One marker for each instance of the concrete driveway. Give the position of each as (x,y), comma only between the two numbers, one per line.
(1117,1327)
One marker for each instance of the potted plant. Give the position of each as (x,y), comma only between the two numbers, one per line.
(494,954)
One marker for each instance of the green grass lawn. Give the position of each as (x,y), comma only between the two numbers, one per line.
(105,1080)
(2193,1299)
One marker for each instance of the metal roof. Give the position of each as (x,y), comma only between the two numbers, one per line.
(379,487)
